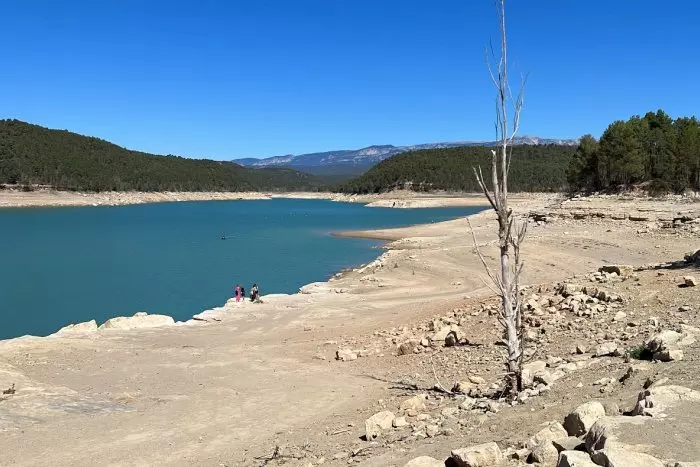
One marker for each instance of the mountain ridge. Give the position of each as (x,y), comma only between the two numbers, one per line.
(356,161)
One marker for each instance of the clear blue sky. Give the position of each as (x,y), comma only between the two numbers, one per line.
(239,78)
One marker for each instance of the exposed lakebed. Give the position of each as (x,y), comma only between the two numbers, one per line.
(66,265)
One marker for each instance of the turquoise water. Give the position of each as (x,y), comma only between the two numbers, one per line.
(66,265)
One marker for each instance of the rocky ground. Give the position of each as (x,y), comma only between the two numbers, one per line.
(396,360)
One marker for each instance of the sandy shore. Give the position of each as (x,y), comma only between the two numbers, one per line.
(252,376)
(396,199)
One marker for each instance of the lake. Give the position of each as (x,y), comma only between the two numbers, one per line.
(67,265)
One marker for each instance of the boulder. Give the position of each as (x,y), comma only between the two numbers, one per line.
(618,457)
(663,340)
(653,400)
(463,387)
(606,348)
(575,459)
(571,443)
(468,403)
(77,328)
(441,334)
(604,433)
(530,370)
(399,422)
(140,320)
(552,432)
(545,454)
(619,269)
(690,281)
(481,455)
(424,461)
(416,403)
(407,348)
(345,355)
(674,355)
(377,423)
(582,419)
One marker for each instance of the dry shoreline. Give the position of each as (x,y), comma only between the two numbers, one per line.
(396,199)
(229,389)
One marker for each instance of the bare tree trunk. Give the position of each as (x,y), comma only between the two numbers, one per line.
(510,236)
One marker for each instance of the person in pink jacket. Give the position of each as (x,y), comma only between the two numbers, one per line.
(238,293)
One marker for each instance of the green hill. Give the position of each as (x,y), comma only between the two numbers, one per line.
(534,168)
(30,155)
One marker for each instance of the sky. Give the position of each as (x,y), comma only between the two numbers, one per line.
(257,78)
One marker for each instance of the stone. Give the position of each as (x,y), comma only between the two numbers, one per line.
(138,321)
(606,348)
(570,443)
(399,422)
(544,377)
(77,328)
(345,355)
(530,370)
(605,432)
(463,387)
(675,355)
(424,461)
(481,455)
(653,400)
(690,281)
(618,457)
(552,432)
(581,349)
(406,348)
(441,334)
(416,403)
(545,454)
(575,459)
(377,423)
(467,403)
(620,270)
(663,340)
(432,431)
(477,380)
(451,339)
(583,417)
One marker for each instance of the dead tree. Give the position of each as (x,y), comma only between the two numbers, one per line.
(510,233)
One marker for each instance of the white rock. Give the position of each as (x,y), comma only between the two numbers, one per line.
(582,419)
(481,455)
(377,423)
(399,422)
(138,321)
(653,400)
(424,461)
(78,328)
(545,454)
(345,355)
(575,459)
(690,281)
(416,403)
(606,348)
(617,457)
(551,432)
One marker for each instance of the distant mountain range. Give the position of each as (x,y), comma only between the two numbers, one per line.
(357,161)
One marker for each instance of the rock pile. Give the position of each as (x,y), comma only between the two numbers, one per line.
(589,437)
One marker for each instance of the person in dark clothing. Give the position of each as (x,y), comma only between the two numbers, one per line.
(254,293)
(243,292)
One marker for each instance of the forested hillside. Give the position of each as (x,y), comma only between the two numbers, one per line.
(534,168)
(654,148)
(30,154)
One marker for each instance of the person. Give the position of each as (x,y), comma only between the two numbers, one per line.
(238,293)
(254,293)
(242,293)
